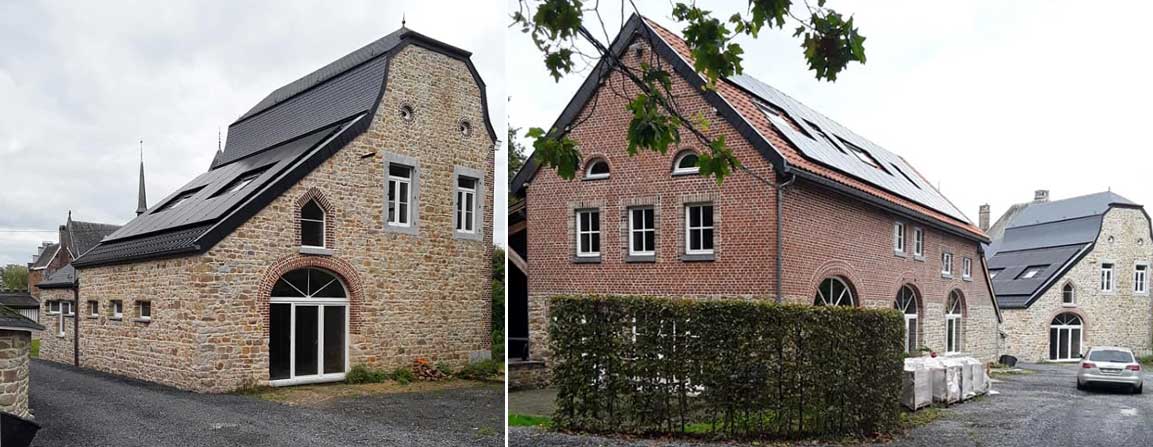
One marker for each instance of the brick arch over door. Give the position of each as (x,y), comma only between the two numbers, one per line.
(1044,324)
(839,269)
(353,284)
(316,194)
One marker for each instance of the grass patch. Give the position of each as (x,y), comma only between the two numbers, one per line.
(34,351)
(320,394)
(483,370)
(1146,360)
(919,418)
(524,420)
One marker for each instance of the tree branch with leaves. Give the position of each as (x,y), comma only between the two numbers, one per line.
(829,40)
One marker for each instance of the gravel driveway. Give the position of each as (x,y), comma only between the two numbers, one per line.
(84,408)
(1039,409)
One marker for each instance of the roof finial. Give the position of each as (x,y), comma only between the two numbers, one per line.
(219,145)
(402,20)
(141,199)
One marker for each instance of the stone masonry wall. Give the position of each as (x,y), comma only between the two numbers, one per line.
(1118,318)
(14,347)
(411,295)
(54,345)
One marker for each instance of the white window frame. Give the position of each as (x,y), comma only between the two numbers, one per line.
(918,241)
(1141,278)
(323,225)
(946,263)
(911,319)
(1068,355)
(1072,291)
(899,237)
(580,231)
(634,230)
(689,229)
(966,267)
(67,308)
(93,311)
(140,310)
(117,309)
(953,323)
(678,170)
(466,215)
(320,304)
(53,307)
(394,181)
(589,168)
(1107,277)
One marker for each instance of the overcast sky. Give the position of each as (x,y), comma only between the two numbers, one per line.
(989,99)
(82,82)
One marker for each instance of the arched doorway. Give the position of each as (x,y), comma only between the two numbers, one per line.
(907,304)
(308,328)
(1065,333)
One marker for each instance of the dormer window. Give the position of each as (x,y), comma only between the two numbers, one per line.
(179,200)
(312,225)
(240,182)
(597,169)
(686,163)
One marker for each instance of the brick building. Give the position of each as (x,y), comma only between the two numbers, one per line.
(819,214)
(1071,274)
(343,223)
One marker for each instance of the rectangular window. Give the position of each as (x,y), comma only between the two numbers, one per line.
(465,202)
(966,268)
(144,310)
(918,242)
(53,307)
(899,237)
(642,232)
(946,263)
(93,308)
(66,308)
(1140,273)
(117,309)
(588,233)
(699,229)
(1106,277)
(399,195)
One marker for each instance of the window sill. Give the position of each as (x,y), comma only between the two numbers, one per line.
(586,259)
(466,236)
(947,275)
(115,318)
(900,254)
(967,278)
(93,317)
(402,229)
(594,177)
(698,257)
(316,251)
(641,258)
(1069,305)
(920,258)
(142,320)
(685,173)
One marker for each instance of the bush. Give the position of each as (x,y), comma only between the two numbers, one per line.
(444,368)
(364,374)
(480,370)
(403,375)
(735,369)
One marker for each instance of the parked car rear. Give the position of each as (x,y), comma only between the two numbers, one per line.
(1110,365)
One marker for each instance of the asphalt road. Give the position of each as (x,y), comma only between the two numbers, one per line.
(78,408)
(1039,409)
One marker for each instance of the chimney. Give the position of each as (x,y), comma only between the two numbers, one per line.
(984,217)
(1041,196)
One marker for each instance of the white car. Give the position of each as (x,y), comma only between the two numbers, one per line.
(1110,365)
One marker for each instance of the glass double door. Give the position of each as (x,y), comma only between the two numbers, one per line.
(307,342)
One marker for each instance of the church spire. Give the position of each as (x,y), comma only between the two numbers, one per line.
(142,199)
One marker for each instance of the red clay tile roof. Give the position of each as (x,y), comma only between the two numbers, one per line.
(746,105)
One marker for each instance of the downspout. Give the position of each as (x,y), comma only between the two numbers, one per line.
(76,322)
(780,215)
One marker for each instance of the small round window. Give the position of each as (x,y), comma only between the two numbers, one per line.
(465,128)
(686,163)
(597,169)
(406,113)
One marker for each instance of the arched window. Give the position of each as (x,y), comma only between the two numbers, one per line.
(686,163)
(907,304)
(954,313)
(1068,294)
(1065,334)
(597,169)
(312,225)
(308,328)
(834,292)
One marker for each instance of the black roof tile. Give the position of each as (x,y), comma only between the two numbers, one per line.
(18,300)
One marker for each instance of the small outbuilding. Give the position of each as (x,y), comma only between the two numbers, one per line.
(15,346)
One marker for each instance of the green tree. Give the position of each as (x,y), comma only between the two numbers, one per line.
(829,40)
(516,156)
(498,261)
(15,277)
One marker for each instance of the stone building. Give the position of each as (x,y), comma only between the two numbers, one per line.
(345,222)
(15,344)
(1071,274)
(818,214)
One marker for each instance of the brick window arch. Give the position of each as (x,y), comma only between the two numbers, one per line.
(834,291)
(353,284)
(313,214)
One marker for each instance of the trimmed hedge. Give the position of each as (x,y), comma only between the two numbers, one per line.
(724,368)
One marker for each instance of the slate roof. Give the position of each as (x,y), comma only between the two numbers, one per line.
(60,279)
(11,319)
(82,236)
(46,257)
(18,300)
(749,105)
(282,138)
(1046,236)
